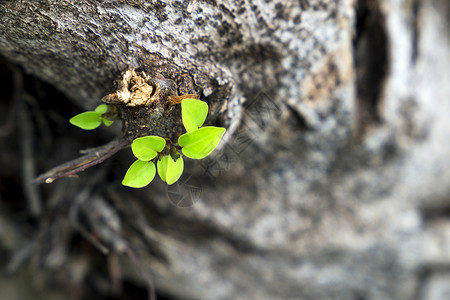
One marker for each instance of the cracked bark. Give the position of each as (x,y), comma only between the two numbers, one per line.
(333,181)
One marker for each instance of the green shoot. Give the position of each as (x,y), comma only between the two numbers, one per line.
(92,119)
(201,142)
(147,147)
(170,170)
(139,174)
(88,120)
(101,109)
(193,113)
(197,143)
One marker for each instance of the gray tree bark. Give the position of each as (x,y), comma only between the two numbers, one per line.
(332,182)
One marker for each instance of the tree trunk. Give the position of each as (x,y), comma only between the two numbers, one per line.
(332,181)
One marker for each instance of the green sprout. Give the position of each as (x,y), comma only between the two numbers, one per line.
(170,170)
(197,143)
(92,119)
(161,127)
(139,174)
(201,142)
(193,113)
(143,170)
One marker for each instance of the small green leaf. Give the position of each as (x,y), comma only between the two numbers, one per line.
(193,113)
(101,109)
(139,174)
(107,122)
(201,142)
(88,120)
(147,147)
(169,170)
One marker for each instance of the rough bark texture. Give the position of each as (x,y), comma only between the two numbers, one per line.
(333,182)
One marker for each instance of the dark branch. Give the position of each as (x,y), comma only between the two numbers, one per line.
(92,157)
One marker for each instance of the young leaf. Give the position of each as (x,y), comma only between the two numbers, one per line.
(170,171)
(201,142)
(88,120)
(101,109)
(107,122)
(193,113)
(139,174)
(147,147)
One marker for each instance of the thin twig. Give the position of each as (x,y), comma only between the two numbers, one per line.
(91,158)
(138,263)
(25,129)
(115,272)
(83,196)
